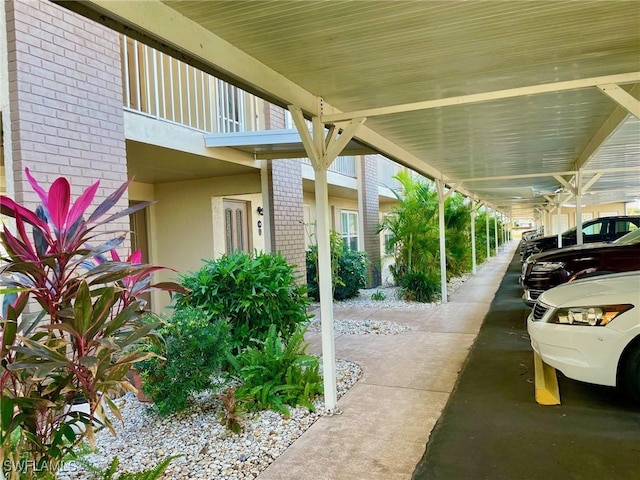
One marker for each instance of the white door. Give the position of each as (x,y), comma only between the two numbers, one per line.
(236,226)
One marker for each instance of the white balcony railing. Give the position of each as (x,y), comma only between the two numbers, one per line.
(165,88)
(343,165)
(387,169)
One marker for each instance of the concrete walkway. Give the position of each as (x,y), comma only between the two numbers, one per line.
(407,379)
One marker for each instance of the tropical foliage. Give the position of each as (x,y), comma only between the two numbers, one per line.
(414,237)
(70,324)
(250,292)
(241,322)
(193,350)
(277,373)
(348,269)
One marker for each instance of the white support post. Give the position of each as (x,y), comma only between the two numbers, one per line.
(441,231)
(486,210)
(579,238)
(559,223)
(326,291)
(474,268)
(495,229)
(322,152)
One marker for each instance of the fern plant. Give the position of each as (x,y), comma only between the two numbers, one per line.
(109,473)
(277,373)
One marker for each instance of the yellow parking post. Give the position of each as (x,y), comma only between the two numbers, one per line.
(546,382)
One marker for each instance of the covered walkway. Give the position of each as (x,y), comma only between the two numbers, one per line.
(461,383)
(492,428)
(406,383)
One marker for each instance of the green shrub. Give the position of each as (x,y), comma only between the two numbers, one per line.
(153,473)
(378,296)
(249,291)
(277,373)
(420,287)
(349,270)
(194,349)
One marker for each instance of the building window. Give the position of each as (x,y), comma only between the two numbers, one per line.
(230,108)
(389,248)
(350,229)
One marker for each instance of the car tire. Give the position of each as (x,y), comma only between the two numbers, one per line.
(631,373)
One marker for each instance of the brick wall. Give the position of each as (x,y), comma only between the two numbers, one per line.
(285,201)
(65,99)
(370,216)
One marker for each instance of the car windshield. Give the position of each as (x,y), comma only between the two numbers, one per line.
(630,238)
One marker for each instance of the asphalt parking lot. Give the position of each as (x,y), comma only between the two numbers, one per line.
(493,429)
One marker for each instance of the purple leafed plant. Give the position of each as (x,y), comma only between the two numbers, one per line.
(79,338)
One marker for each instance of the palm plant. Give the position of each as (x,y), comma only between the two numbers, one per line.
(413,226)
(458,234)
(70,322)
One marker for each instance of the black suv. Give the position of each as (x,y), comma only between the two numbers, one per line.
(546,270)
(604,229)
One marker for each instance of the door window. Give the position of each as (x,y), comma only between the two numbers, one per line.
(236,226)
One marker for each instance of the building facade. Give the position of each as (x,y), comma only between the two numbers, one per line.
(82,101)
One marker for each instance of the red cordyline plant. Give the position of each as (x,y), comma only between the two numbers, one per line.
(78,337)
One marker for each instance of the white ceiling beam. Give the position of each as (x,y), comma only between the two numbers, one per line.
(591,182)
(336,145)
(162,23)
(550,174)
(608,128)
(611,170)
(452,188)
(624,99)
(633,77)
(565,184)
(309,145)
(514,177)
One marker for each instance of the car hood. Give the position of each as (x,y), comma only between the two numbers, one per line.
(540,257)
(606,289)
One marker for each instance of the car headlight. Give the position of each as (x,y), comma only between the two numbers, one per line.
(593,316)
(548,266)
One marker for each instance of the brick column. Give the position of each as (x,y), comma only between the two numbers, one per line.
(369,206)
(65,94)
(285,206)
(285,200)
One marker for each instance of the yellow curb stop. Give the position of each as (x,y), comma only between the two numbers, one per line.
(546,382)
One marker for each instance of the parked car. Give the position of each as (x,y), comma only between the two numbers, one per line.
(590,330)
(604,229)
(545,270)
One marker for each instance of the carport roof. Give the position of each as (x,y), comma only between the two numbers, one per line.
(505,100)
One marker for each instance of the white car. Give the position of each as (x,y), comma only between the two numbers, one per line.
(590,330)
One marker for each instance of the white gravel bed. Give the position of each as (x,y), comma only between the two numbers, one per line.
(392,297)
(388,297)
(209,450)
(361,327)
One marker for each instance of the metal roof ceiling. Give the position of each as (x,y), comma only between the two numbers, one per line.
(495,96)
